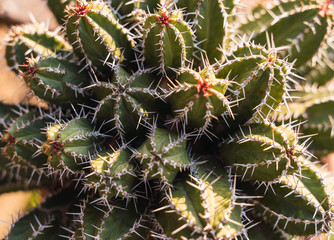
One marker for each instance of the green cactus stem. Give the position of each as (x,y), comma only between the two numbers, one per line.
(312,105)
(97,36)
(163,155)
(257,74)
(113,174)
(71,145)
(320,70)
(292,206)
(209,22)
(199,97)
(167,40)
(50,218)
(263,152)
(23,139)
(265,231)
(6,115)
(202,205)
(128,7)
(297,26)
(320,123)
(116,221)
(173,119)
(32,40)
(56,80)
(127,101)
(58,9)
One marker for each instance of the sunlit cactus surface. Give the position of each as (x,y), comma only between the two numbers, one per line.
(179,119)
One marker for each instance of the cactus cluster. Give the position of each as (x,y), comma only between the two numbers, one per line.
(173,119)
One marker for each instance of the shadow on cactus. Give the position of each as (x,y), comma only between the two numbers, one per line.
(172,120)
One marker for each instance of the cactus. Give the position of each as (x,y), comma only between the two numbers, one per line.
(172,120)
(163,30)
(98,44)
(270,149)
(312,22)
(33,40)
(56,80)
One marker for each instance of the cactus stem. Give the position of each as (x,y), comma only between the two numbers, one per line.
(31,69)
(326,7)
(81,9)
(164,19)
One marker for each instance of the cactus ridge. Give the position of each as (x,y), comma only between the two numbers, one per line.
(277,144)
(172,120)
(33,40)
(167,30)
(58,9)
(88,32)
(311,221)
(321,75)
(15,177)
(316,25)
(261,75)
(313,193)
(215,217)
(54,79)
(6,113)
(121,224)
(199,97)
(312,105)
(112,175)
(24,138)
(127,95)
(163,155)
(44,220)
(70,145)
(204,17)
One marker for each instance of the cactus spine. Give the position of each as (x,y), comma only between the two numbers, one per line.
(172,120)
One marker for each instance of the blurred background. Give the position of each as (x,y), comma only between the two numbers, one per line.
(13,89)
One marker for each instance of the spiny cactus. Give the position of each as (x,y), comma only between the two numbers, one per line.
(172,120)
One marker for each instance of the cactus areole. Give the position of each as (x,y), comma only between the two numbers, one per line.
(177,119)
